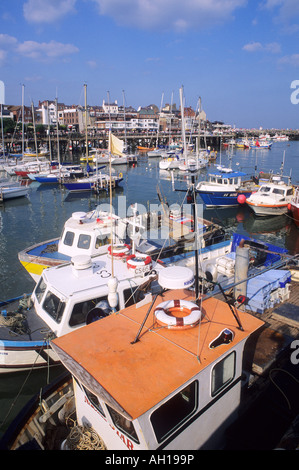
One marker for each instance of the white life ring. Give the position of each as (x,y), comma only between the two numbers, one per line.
(119,251)
(178,314)
(139,260)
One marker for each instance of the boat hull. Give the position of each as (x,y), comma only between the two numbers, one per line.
(294,209)
(222,198)
(88,185)
(41,256)
(265,210)
(14,193)
(17,356)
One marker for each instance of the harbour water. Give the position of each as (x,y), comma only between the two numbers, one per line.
(41,217)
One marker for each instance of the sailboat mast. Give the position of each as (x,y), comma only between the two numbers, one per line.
(23,120)
(86,136)
(158,130)
(33,120)
(57,133)
(183,121)
(124,102)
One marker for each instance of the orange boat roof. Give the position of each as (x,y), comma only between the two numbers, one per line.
(133,378)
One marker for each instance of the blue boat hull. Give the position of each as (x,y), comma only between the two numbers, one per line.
(222,198)
(84,186)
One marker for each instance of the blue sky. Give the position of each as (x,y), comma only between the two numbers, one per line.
(239,56)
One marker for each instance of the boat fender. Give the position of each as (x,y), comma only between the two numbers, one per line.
(119,251)
(178,314)
(120,175)
(211,272)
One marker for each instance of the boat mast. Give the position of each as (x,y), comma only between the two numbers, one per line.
(57,134)
(158,130)
(49,131)
(86,137)
(23,86)
(35,140)
(124,104)
(183,121)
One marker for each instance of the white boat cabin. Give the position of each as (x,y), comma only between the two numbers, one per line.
(221,180)
(86,234)
(71,295)
(276,190)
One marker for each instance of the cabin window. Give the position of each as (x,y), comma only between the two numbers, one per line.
(93,400)
(84,241)
(225,181)
(123,424)
(40,290)
(223,373)
(69,238)
(175,411)
(231,181)
(278,191)
(265,189)
(101,240)
(289,192)
(89,311)
(53,306)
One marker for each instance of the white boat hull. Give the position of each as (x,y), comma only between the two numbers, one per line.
(263,210)
(12,193)
(24,357)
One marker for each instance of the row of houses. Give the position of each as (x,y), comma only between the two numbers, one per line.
(105,117)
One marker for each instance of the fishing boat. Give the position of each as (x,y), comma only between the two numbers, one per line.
(90,234)
(271,198)
(65,298)
(83,234)
(225,187)
(293,206)
(260,145)
(173,373)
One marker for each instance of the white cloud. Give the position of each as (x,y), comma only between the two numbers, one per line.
(253,47)
(41,51)
(286,13)
(290,60)
(45,50)
(272,47)
(47,11)
(169,14)
(6,40)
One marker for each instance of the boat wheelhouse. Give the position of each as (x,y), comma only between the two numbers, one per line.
(169,379)
(224,187)
(66,298)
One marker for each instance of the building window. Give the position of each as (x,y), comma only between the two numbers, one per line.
(169,416)
(223,373)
